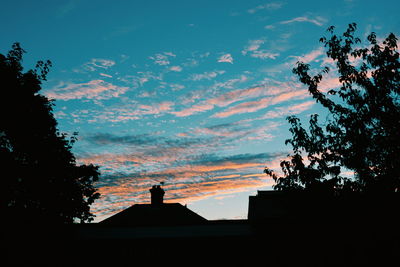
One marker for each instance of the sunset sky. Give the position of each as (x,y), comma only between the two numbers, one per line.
(190,93)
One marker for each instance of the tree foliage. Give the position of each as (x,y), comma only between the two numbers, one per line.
(41,181)
(361,134)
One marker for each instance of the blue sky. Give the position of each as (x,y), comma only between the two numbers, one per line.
(190,93)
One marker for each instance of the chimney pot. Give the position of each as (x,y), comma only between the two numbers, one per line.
(157,195)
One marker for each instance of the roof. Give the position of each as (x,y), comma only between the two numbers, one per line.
(168,214)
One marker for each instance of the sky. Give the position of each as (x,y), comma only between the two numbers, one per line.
(194,94)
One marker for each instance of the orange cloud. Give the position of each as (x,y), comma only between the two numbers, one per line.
(183,184)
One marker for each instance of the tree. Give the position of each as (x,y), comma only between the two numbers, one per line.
(41,181)
(361,134)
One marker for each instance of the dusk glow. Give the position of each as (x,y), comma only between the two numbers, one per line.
(190,93)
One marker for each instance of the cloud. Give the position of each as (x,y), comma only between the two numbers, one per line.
(253,49)
(228,98)
(170,54)
(66,8)
(116,198)
(268,6)
(245,107)
(319,21)
(202,178)
(226,58)
(206,75)
(96,63)
(229,84)
(263,54)
(105,75)
(176,86)
(175,68)
(162,59)
(132,112)
(222,100)
(311,56)
(193,109)
(121,113)
(288,110)
(95,89)
(253,45)
(141,78)
(256,105)
(154,151)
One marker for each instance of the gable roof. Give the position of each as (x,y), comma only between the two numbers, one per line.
(168,214)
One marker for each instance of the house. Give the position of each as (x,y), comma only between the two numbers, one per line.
(283,229)
(157,213)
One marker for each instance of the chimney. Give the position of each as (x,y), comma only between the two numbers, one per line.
(157,195)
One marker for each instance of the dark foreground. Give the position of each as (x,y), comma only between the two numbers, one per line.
(365,234)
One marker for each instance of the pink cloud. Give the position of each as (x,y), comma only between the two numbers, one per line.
(125,113)
(176,68)
(288,110)
(95,89)
(222,100)
(226,58)
(245,107)
(254,106)
(105,75)
(192,110)
(311,56)
(328,83)
(236,96)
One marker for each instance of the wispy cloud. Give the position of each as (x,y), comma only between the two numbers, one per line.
(206,75)
(226,58)
(256,105)
(66,8)
(222,100)
(267,6)
(288,110)
(231,97)
(105,75)
(162,58)
(230,83)
(263,54)
(140,78)
(95,89)
(253,45)
(98,63)
(319,21)
(253,49)
(311,56)
(129,112)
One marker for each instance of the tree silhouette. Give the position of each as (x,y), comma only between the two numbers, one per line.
(41,181)
(361,133)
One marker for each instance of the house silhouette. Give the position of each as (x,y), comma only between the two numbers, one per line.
(157,213)
(282,229)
